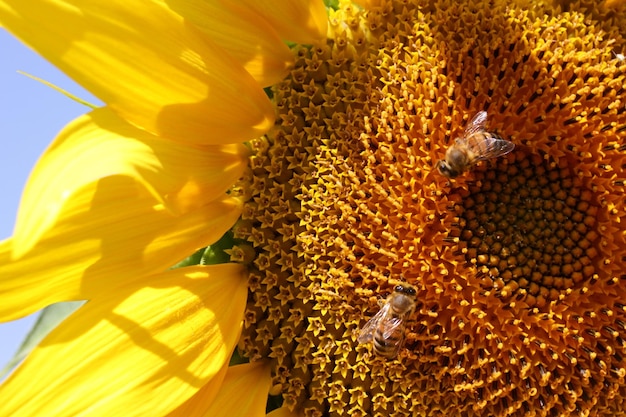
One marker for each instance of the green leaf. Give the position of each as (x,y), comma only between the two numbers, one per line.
(48,319)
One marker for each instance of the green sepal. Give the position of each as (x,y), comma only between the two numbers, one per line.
(332,4)
(237,359)
(215,254)
(194,259)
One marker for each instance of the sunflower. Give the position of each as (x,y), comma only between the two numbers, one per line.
(518,264)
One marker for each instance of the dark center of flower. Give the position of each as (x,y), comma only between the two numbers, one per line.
(530,228)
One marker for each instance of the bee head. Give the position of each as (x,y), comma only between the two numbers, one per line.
(446,170)
(405,289)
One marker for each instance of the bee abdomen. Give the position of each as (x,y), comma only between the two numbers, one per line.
(386,347)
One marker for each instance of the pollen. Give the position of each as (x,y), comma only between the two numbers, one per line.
(518,263)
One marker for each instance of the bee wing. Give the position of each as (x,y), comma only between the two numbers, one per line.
(392,325)
(487,145)
(476,124)
(397,347)
(367,332)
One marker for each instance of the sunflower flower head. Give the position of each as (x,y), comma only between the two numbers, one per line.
(518,265)
(507,282)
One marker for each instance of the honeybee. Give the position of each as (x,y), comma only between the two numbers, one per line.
(386,329)
(475,145)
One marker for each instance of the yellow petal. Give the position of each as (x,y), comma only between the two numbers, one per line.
(241,32)
(99,145)
(197,405)
(253,379)
(146,63)
(134,354)
(120,240)
(283,412)
(301,21)
(243,393)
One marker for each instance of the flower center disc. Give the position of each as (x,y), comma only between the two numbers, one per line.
(530,229)
(518,264)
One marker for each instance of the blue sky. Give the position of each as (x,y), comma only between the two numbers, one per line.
(31,114)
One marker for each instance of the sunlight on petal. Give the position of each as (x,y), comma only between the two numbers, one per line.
(100,144)
(301,21)
(135,353)
(242,393)
(197,405)
(251,379)
(148,64)
(245,35)
(121,239)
